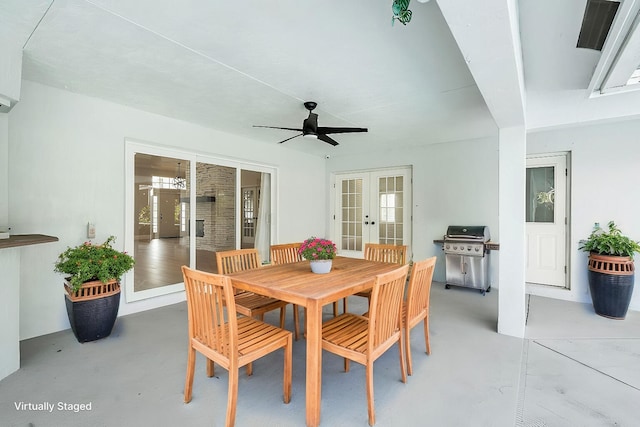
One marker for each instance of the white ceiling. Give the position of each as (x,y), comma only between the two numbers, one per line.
(454,72)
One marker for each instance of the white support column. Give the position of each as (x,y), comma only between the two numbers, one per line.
(10,74)
(511,213)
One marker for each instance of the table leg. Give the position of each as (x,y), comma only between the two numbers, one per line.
(314,363)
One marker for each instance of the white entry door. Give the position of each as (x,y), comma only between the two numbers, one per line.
(546,216)
(372,207)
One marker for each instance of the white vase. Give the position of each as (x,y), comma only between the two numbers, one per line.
(321,266)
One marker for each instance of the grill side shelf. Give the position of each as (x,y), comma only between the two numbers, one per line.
(490,246)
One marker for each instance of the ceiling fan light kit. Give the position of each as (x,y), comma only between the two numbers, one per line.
(310,128)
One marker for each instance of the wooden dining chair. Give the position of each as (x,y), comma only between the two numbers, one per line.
(248,303)
(231,342)
(396,254)
(364,339)
(284,254)
(416,306)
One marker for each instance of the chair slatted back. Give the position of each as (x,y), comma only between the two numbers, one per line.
(396,254)
(385,315)
(285,253)
(206,296)
(237,260)
(419,287)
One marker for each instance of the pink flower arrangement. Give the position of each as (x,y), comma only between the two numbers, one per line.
(315,248)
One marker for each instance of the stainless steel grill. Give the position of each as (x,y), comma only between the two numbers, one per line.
(467,257)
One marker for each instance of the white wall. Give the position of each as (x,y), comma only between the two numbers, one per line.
(66,168)
(605,177)
(454,183)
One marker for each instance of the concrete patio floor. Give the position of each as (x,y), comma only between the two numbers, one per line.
(574,368)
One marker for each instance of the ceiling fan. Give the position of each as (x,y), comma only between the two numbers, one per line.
(310,128)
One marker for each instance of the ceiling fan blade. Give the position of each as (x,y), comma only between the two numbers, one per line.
(325,138)
(275,127)
(326,130)
(285,140)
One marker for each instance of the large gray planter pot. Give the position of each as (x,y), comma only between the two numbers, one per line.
(611,280)
(93,309)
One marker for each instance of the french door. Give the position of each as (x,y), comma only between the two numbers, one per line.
(546,220)
(371,207)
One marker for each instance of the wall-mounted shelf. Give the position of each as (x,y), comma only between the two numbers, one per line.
(26,240)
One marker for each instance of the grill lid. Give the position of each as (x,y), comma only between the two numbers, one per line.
(468,232)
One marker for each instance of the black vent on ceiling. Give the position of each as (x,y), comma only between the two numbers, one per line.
(598,17)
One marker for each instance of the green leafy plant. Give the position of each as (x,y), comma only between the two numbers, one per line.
(314,248)
(611,242)
(89,262)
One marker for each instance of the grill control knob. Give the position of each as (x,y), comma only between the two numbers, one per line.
(447,247)
(455,247)
(477,249)
(468,248)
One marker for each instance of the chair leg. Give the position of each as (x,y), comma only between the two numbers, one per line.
(336,307)
(407,341)
(191,365)
(249,369)
(403,368)
(346,364)
(232,397)
(210,368)
(426,334)
(288,363)
(370,408)
(282,313)
(296,320)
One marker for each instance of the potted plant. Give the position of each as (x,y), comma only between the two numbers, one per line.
(611,270)
(92,284)
(319,252)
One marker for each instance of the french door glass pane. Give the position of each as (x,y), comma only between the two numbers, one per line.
(390,196)
(215,213)
(351,229)
(540,194)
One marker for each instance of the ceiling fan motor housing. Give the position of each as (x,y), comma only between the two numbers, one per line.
(310,125)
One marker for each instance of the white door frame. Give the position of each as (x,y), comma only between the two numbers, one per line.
(543,289)
(368,214)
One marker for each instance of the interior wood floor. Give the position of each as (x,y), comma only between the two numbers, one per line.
(158,262)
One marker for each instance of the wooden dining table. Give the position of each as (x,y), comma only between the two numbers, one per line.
(295,283)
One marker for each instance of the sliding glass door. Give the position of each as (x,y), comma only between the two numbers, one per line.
(166,233)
